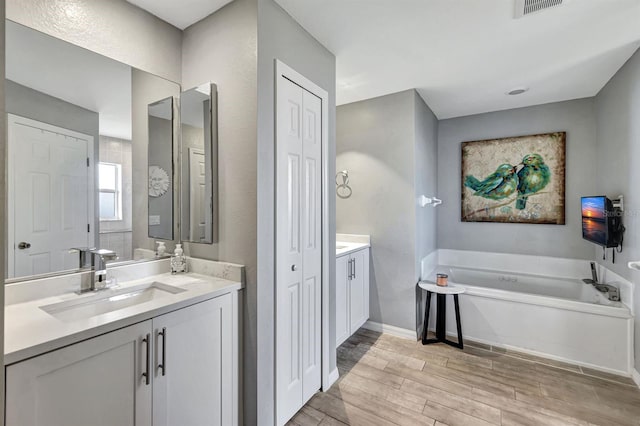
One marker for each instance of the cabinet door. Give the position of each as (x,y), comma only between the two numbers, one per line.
(342,300)
(196,386)
(96,382)
(359,290)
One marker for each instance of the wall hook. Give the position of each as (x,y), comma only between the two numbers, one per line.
(424,201)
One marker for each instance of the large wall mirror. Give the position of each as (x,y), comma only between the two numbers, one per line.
(199,164)
(78,148)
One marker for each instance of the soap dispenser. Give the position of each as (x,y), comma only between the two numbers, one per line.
(161,250)
(178,260)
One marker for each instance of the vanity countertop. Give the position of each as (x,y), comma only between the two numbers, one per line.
(348,243)
(30,331)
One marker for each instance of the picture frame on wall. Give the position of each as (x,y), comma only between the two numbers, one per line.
(517,179)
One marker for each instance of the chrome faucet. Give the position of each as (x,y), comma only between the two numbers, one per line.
(612,291)
(85,257)
(98,275)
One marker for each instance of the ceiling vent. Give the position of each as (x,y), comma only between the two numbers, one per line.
(525,7)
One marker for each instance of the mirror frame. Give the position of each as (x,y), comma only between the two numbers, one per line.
(211,164)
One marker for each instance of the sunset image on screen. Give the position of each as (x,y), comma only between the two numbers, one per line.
(593,208)
(594,225)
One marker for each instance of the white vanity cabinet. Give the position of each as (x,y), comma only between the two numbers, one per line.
(191,363)
(193,383)
(352,293)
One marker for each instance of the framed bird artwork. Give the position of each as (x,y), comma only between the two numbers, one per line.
(515,180)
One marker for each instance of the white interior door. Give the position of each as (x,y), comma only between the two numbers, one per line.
(199,221)
(298,248)
(50,196)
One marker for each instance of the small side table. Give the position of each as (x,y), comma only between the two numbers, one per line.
(441,318)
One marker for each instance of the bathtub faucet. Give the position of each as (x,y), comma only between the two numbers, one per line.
(612,291)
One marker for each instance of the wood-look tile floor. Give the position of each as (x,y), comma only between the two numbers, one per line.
(385,380)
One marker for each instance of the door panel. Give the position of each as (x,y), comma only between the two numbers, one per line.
(312,254)
(342,300)
(196,388)
(96,382)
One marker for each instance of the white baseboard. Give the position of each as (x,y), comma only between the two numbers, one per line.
(635,375)
(390,329)
(411,334)
(333,377)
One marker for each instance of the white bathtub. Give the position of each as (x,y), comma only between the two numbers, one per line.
(566,289)
(555,317)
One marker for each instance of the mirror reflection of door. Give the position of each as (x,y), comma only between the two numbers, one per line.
(200,225)
(50,196)
(198,110)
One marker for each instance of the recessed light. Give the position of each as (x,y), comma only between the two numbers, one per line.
(517,91)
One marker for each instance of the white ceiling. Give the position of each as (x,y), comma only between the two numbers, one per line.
(182,13)
(58,68)
(464,55)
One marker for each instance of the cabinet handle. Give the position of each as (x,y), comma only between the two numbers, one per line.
(146,375)
(354,269)
(163,366)
(350,269)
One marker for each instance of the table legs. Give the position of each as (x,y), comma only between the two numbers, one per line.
(441,321)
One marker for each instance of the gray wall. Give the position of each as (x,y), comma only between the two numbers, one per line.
(279,36)
(577,118)
(146,89)
(26,102)
(113,28)
(376,143)
(618,121)
(426,175)
(222,49)
(426,167)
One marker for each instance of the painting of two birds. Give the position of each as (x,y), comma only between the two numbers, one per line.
(515,180)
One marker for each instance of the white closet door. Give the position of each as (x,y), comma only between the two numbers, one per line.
(298,248)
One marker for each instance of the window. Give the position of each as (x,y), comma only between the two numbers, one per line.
(110,187)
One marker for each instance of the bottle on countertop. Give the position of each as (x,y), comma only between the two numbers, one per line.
(161,250)
(178,260)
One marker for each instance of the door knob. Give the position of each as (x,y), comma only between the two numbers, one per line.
(24,245)
(294,268)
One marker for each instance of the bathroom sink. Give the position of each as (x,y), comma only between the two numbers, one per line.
(109,301)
